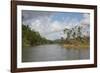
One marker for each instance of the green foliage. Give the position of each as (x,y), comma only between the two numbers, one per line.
(31,37)
(74,36)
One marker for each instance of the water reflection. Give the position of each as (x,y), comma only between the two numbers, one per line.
(53,53)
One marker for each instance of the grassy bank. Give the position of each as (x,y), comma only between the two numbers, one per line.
(78,46)
(82,43)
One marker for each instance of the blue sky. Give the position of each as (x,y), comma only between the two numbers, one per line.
(67,15)
(46,22)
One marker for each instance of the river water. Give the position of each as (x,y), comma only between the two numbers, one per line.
(53,52)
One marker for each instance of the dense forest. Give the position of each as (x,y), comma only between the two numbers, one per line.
(32,38)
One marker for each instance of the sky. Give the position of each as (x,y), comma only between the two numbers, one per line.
(50,24)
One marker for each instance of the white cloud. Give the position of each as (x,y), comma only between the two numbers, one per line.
(47,28)
(85,23)
(55,26)
(86,19)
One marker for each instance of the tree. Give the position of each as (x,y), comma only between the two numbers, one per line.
(73,35)
(32,37)
(79,32)
(67,32)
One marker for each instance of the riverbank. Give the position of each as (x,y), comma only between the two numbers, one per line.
(78,46)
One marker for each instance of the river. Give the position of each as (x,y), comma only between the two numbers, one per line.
(53,52)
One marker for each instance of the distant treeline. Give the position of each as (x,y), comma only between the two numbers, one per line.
(31,37)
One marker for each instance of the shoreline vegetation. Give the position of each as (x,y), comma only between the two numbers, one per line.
(32,38)
(76,46)
(77,43)
(74,38)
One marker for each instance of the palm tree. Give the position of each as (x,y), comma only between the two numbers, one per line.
(73,35)
(79,33)
(67,31)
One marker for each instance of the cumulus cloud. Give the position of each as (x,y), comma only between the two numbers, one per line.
(85,23)
(47,28)
(29,16)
